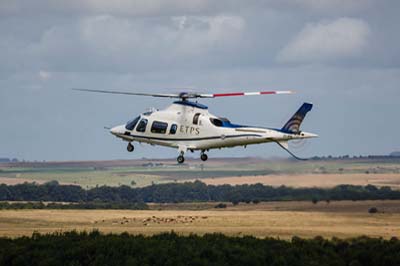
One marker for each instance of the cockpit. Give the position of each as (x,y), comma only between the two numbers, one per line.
(132,123)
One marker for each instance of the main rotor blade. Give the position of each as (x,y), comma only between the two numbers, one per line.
(188,95)
(166,95)
(242,94)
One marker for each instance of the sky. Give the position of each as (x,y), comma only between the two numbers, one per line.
(341,55)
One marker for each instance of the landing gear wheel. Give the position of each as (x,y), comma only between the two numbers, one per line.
(130,147)
(180,159)
(203,157)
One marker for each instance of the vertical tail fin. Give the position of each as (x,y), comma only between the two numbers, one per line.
(293,125)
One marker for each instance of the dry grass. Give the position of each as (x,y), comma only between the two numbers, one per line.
(385,206)
(268,219)
(10,181)
(311,180)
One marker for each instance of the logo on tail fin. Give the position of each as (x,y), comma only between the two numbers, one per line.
(293,125)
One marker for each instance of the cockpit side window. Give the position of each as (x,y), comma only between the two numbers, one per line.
(131,124)
(173,129)
(142,125)
(196,119)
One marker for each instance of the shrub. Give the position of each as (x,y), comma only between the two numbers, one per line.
(220,206)
(373,210)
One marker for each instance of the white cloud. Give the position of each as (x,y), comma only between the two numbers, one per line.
(206,33)
(105,42)
(44,75)
(327,41)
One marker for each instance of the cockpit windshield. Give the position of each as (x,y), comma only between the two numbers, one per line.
(132,123)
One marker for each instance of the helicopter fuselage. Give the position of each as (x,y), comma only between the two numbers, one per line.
(188,125)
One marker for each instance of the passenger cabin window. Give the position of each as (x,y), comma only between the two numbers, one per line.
(131,124)
(159,127)
(173,129)
(142,125)
(196,119)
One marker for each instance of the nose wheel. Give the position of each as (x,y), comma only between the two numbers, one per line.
(130,147)
(203,157)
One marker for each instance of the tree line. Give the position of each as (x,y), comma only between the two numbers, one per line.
(190,192)
(95,248)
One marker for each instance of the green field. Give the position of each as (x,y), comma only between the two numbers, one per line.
(144,172)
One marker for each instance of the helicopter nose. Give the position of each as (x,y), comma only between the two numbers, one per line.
(115,130)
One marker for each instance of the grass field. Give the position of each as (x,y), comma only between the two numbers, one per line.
(145,172)
(311,180)
(278,219)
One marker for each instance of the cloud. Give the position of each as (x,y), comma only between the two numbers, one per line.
(116,7)
(174,7)
(334,5)
(108,43)
(44,75)
(201,34)
(327,41)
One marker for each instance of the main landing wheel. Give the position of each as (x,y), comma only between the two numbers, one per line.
(203,157)
(130,147)
(180,159)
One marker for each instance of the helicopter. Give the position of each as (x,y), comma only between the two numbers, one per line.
(188,125)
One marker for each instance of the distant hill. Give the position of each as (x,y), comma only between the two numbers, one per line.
(8,160)
(395,154)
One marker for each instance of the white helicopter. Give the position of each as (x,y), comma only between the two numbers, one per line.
(188,126)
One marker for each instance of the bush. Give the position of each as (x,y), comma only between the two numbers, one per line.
(220,206)
(95,248)
(328,201)
(373,210)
